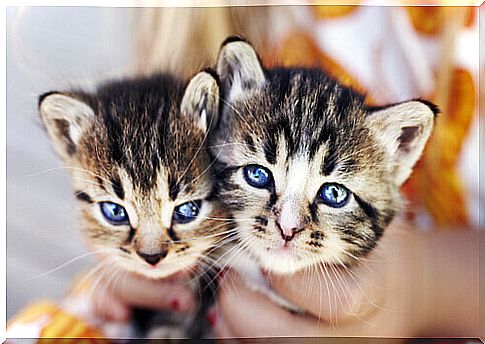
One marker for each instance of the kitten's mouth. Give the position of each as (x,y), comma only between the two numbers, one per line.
(282,247)
(159,272)
(171,269)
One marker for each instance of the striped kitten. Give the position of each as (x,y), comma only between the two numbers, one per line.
(136,153)
(309,172)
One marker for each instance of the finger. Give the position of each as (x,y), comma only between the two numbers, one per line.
(108,307)
(219,328)
(222,330)
(248,313)
(331,293)
(160,294)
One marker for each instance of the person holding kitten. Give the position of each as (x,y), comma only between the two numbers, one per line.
(391,292)
(408,285)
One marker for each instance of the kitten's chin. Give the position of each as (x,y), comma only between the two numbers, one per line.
(280,259)
(281,265)
(160,274)
(288,258)
(156,275)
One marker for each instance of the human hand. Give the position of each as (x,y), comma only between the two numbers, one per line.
(113,298)
(335,300)
(414,284)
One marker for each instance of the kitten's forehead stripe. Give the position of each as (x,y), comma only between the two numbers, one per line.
(269,149)
(250,143)
(118,187)
(139,128)
(173,188)
(330,160)
(100,183)
(307,110)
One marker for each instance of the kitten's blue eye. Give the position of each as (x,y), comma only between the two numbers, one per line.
(334,195)
(114,213)
(258,176)
(186,212)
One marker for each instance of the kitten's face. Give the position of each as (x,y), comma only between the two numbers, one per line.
(140,171)
(310,174)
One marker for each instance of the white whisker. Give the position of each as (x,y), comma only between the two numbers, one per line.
(70,261)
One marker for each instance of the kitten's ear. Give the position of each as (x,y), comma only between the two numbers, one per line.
(403,130)
(201,100)
(65,119)
(239,68)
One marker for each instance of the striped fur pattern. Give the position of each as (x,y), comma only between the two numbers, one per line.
(308,130)
(133,144)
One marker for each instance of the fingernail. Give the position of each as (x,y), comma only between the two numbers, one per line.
(175,305)
(220,275)
(212,317)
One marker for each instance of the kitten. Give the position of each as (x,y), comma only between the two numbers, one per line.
(136,153)
(309,172)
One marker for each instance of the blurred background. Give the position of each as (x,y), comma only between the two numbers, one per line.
(389,53)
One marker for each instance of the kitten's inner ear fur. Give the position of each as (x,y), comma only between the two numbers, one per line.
(201,100)
(403,131)
(239,69)
(65,119)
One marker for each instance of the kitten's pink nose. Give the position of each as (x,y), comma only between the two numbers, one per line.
(288,233)
(289,222)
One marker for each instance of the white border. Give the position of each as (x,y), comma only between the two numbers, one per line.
(219,3)
(134,3)
(3,178)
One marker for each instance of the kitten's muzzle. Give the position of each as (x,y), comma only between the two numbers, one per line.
(153,258)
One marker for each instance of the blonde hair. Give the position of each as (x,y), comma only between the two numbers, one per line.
(184,40)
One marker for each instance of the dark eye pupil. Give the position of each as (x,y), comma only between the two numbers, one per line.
(257,176)
(117,211)
(114,213)
(334,195)
(186,212)
(189,210)
(335,192)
